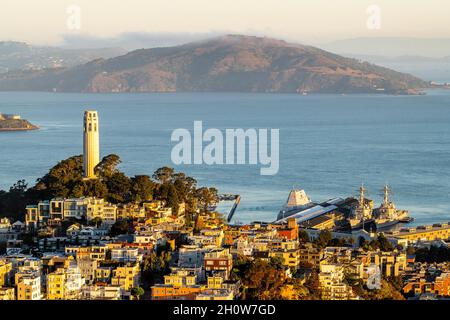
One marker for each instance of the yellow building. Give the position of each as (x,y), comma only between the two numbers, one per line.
(215,282)
(7,294)
(290,258)
(310,255)
(390,263)
(331,282)
(438,231)
(91,252)
(5,273)
(181,284)
(64,284)
(282,244)
(103,274)
(180,278)
(56,285)
(32,217)
(28,286)
(126,277)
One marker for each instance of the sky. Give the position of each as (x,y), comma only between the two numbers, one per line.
(51,22)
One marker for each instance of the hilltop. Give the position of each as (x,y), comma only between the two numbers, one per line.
(23,56)
(15,124)
(230,63)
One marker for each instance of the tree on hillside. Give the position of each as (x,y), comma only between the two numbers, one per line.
(163,175)
(324,238)
(89,188)
(137,292)
(185,186)
(108,166)
(206,197)
(12,203)
(121,227)
(155,266)
(61,179)
(264,280)
(141,188)
(381,242)
(173,200)
(119,186)
(96,222)
(303,236)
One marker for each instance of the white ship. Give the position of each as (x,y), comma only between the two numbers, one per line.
(297,201)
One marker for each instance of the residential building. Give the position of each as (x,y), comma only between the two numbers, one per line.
(28,285)
(64,284)
(218,260)
(331,282)
(100,292)
(127,277)
(6,273)
(126,254)
(7,293)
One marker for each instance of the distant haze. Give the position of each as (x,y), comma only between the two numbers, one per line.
(392,47)
(413,28)
(319,21)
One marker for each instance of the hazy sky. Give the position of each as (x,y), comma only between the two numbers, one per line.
(313,21)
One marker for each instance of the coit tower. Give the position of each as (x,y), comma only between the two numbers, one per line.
(91,144)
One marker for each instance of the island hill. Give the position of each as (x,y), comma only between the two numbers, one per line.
(232,63)
(15,123)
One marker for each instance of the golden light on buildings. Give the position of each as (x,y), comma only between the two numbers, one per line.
(91,143)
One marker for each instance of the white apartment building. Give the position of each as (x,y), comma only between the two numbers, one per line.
(72,208)
(28,285)
(126,255)
(95,292)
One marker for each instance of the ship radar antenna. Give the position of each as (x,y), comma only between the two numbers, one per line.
(362,192)
(387,194)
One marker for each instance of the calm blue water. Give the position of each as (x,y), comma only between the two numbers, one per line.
(329,144)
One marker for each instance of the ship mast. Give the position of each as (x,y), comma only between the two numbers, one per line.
(362,190)
(361,197)
(386,199)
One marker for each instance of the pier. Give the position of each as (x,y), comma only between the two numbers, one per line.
(237,200)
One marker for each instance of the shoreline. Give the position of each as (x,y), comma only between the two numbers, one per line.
(31,127)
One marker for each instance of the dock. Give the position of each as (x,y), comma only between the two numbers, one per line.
(237,200)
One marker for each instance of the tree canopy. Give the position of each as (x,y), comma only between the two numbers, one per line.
(65,180)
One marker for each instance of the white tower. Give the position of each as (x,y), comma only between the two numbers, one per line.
(91,144)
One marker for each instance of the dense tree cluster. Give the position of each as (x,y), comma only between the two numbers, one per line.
(266,280)
(433,254)
(390,290)
(325,239)
(66,180)
(155,266)
(381,242)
